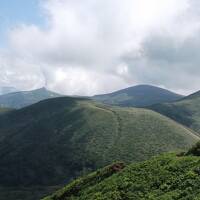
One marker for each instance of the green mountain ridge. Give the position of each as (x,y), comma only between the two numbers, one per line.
(185,111)
(165,177)
(25,98)
(52,142)
(138,96)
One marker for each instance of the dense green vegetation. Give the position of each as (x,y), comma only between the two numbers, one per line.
(21,99)
(53,141)
(185,111)
(166,177)
(138,96)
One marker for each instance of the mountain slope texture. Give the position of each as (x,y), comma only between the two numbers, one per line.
(165,177)
(138,96)
(56,140)
(185,111)
(22,99)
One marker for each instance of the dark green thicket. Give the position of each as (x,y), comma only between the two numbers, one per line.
(195,150)
(77,186)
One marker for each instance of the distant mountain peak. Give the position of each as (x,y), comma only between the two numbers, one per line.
(39,89)
(144,86)
(139,96)
(25,98)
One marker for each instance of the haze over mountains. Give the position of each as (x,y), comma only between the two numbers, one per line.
(6,90)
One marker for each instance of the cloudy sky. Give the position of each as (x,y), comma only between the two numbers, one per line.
(97,46)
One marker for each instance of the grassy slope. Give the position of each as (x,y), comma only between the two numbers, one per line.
(21,99)
(138,96)
(165,177)
(185,111)
(51,142)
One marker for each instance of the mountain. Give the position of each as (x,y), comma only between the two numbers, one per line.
(165,177)
(138,96)
(53,141)
(22,99)
(6,90)
(185,111)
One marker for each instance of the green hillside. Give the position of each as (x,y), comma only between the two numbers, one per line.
(138,96)
(22,99)
(185,111)
(166,177)
(53,141)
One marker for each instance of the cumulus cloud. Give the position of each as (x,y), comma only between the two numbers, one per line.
(88,47)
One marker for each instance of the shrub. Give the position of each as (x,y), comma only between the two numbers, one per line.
(195,150)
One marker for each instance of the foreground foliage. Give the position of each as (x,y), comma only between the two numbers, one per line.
(166,177)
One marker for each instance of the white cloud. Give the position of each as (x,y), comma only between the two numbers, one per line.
(90,47)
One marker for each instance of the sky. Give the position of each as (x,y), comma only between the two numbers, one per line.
(17,12)
(89,47)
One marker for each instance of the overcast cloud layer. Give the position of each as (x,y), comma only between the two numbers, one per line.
(89,47)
